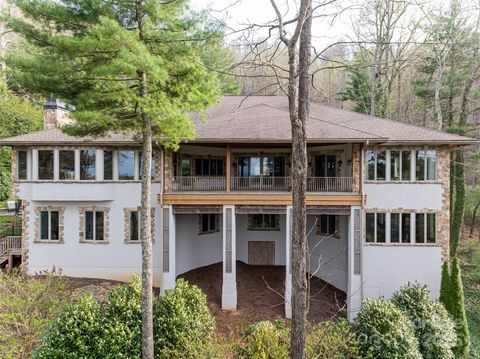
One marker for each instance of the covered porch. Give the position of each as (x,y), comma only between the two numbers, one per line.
(239,252)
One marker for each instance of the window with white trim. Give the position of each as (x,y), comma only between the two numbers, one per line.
(375,227)
(49,225)
(22,165)
(133,217)
(426,165)
(399,227)
(375,164)
(94,226)
(400,165)
(425,228)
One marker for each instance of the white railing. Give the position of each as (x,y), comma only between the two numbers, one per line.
(10,244)
(199,183)
(330,184)
(261,183)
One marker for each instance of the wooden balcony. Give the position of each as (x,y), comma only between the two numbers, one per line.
(259,184)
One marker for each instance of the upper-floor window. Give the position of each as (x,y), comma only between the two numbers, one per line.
(376,165)
(264,222)
(45,164)
(67,164)
(400,227)
(398,165)
(94,226)
(425,228)
(22,165)
(261,166)
(108,165)
(186,167)
(49,225)
(126,165)
(208,167)
(87,164)
(375,227)
(426,165)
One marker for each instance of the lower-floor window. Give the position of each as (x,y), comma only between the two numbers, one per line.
(133,218)
(400,227)
(94,226)
(49,225)
(327,225)
(209,223)
(263,222)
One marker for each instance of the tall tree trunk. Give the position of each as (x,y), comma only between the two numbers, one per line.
(437,102)
(299,186)
(145,212)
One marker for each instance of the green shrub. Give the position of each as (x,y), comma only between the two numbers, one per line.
(433,326)
(5,183)
(265,340)
(458,311)
(183,325)
(76,334)
(384,332)
(28,305)
(333,340)
(445,286)
(122,322)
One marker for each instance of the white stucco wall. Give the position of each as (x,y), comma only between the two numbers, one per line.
(403,195)
(387,268)
(244,236)
(193,250)
(328,255)
(113,260)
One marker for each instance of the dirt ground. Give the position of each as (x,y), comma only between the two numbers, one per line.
(259,291)
(260,295)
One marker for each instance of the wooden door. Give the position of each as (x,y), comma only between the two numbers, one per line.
(261,252)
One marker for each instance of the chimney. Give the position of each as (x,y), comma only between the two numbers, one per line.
(56,114)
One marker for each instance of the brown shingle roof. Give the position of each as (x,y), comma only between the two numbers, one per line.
(266,119)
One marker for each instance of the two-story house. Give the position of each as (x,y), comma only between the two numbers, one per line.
(378,199)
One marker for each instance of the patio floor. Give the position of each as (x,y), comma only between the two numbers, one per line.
(260,290)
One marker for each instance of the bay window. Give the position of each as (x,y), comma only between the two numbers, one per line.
(22,165)
(67,165)
(87,164)
(45,164)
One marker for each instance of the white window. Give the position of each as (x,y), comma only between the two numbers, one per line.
(400,228)
(49,225)
(94,226)
(208,223)
(400,165)
(87,165)
(375,227)
(426,165)
(45,164)
(22,165)
(425,228)
(375,165)
(263,222)
(133,218)
(67,164)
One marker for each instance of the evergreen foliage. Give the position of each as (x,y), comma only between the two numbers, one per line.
(94,55)
(18,116)
(385,332)
(445,286)
(358,87)
(457,311)
(183,326)
(434,328)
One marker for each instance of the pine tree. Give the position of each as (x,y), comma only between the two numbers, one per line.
(445,287)
(126,66)
(457,310)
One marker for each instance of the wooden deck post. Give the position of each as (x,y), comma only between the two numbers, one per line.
(229,170)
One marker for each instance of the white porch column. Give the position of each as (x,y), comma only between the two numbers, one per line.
(229,287)
(168,248)
(355,290)
(56,165)
(77,165)
(288,265)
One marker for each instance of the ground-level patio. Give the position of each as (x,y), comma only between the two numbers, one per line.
(260,295)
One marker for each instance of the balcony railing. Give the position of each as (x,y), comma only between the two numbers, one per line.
(199,183)
(260,184)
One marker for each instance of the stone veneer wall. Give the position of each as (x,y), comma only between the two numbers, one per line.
(356,167)
(168,171)
(25,233)
(106,223)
